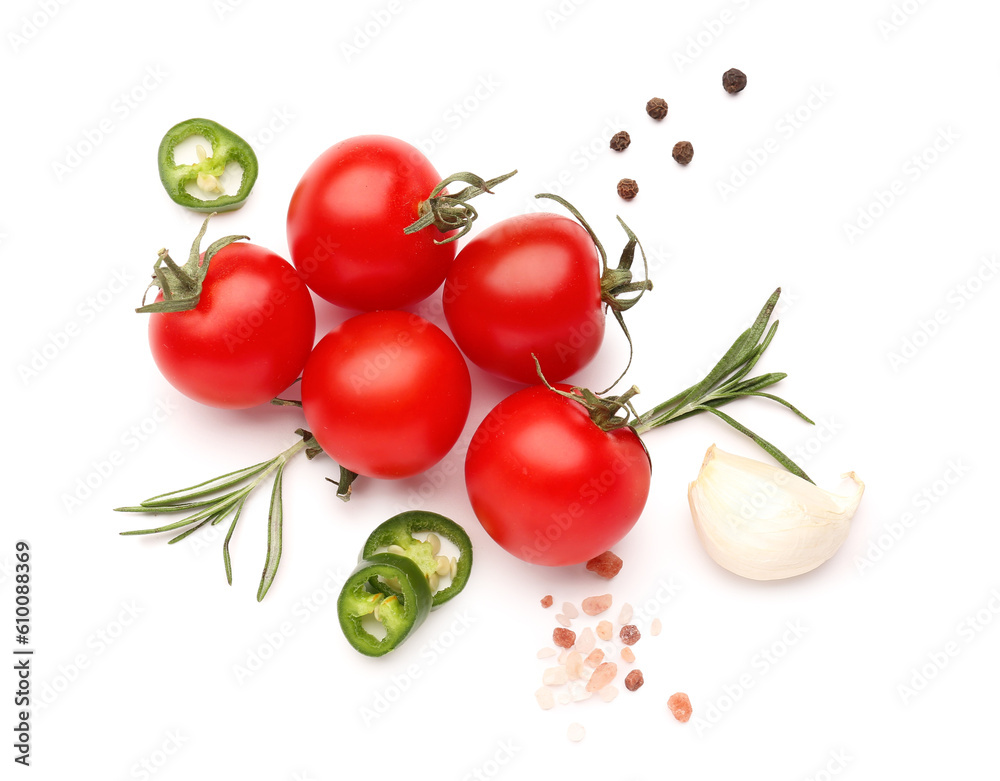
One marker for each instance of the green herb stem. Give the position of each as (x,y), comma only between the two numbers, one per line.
(211,506)
(725,383)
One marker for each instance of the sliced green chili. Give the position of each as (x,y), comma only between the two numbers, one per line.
(204,175)
(397,535)
(399,613)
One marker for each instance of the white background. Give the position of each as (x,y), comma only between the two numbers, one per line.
(139,646)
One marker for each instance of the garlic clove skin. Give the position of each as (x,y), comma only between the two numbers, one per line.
(762,522)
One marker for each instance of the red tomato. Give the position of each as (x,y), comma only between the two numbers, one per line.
(386,394)
(247,339)
(548,484)
(529,284)
(346,221)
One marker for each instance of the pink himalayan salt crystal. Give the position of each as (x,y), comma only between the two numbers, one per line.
(633,680)
(585,641)
(594,606)
(574,665)
(554,676)
(608,693)
(627,655)
(680,706)
(603,675)
(604,630)
(629,634)
(595,658)
(607,565)
(546,700)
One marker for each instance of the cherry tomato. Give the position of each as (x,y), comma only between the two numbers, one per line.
(529,284)
(247,339)
(386,394)
(346,220)
(548,484)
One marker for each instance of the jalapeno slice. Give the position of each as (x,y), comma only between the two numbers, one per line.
(226,147)
(399,613)
(396,536)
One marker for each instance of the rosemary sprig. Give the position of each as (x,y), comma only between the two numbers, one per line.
(212,502)
(725,383)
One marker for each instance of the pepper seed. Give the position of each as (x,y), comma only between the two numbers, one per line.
(628,189)
(683,152)
(734,80)
(620,141)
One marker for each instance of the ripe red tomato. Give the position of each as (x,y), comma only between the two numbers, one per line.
(548,484)
(386,394)
(247,339)
(346,220)
(529,284)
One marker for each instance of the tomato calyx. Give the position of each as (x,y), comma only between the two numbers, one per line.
(619,290)
(725,383)
(347,477)
(181,285)
(605,411)
(344,484)
(451,212)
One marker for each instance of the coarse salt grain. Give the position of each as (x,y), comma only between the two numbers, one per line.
(574,665)
(578,692)
(585,641)
(607,565)
(627,655)
(554,676)
(547,600)
(629,634)
(594,606)
(545,653)
(626,615)
(602,676)
(564,620)
(656,627)
(576,732)
(595,658)
(604,630)
(569,610)
(563,638)
(608,693)
(633,680)
(680,706)
(546,700)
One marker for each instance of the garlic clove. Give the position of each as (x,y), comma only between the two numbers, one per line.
(762,522)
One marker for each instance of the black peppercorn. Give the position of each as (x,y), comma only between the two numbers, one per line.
(734,80)
(683,152)
(656,108)
(620,141)
(628,189)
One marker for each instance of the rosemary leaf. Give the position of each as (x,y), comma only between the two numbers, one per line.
(207,487)
(225,545)
(273,536)
(778,456)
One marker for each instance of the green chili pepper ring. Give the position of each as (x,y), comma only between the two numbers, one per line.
(400,613)
(399,530)
(226,147)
